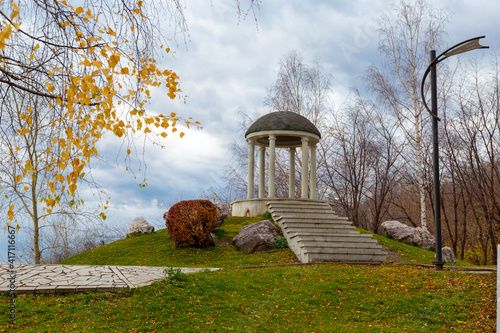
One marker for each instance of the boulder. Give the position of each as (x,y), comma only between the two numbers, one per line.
(223,213)
(448,255)
(428,241)
(140,226)
(402,233)
(257,237)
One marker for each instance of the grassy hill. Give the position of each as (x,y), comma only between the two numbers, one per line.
(158,250)
(312,298)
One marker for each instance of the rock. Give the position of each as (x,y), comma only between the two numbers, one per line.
(402,233)
(223,212)
(448,255)
(257,237)
(428,241)
(140,226)
(211,240)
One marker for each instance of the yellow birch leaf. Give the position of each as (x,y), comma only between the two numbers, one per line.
(5,34)
(51,186)
(18,178)
(10,213)
(111,32)
(50,87)
(125,71)
(88,15)
(79,10)
(128,151)
(26,188)
(72,189)
(182,134)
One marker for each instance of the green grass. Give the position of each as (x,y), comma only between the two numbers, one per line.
(315,298)
(408,253)
(158,250)
(322,298)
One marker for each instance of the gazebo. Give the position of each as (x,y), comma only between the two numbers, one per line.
(280,129)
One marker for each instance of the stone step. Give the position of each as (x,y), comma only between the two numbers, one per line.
(329,257)
(325,216)
(323,231)
(297,204)
(308,226)
(364,244)
(330,250)
(328,215)
(313,221)
(342,236)
(315,233)
(347,233)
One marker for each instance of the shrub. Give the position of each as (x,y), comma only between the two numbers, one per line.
(267,216)
(280,242)
(174,275)
(190,222)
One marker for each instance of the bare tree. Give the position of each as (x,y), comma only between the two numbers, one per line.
(385,166)
(305,90)
(351,151)
(406,37)
(473,144)
(298,88)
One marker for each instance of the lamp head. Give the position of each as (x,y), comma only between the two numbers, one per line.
(469,45)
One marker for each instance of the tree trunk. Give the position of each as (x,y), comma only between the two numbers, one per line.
(421,183)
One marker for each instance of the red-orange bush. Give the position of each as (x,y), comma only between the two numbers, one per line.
(190,222)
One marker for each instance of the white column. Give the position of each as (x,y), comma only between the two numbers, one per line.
(314,195)
(291,176)
(251,155)
(272,165)
(262,170)
(303,171)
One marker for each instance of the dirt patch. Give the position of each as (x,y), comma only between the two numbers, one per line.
(393,258)
(225,242)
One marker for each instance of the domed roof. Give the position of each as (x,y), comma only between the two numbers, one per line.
(283,120)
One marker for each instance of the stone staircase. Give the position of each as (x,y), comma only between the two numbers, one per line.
(316,234)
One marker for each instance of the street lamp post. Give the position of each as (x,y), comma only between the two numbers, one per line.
(465,46)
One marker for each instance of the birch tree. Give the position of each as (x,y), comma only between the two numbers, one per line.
(408,33)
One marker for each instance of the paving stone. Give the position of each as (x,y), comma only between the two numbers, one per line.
(44,290)
(49,279)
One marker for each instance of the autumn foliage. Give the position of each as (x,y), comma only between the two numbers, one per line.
(190,222)
(96,68)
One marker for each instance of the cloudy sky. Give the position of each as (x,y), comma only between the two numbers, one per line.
(225,68)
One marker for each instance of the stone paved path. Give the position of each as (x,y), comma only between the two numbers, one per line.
(50,279)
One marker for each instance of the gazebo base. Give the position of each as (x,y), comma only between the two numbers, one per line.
(258,206)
